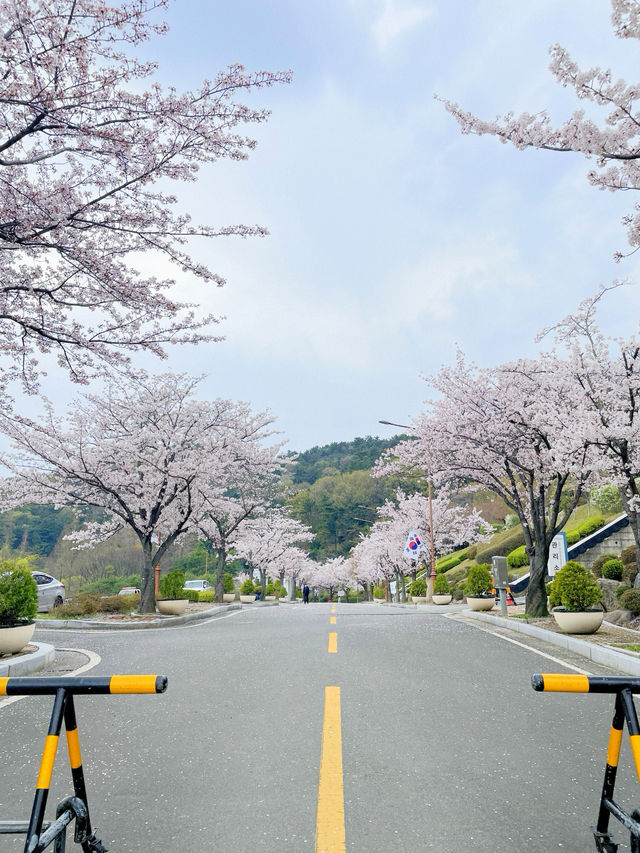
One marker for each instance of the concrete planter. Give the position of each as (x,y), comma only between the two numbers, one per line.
(172,606)
(419,599)
(270,597)
(247,599)
(480,603)
(582,622)
(16,638)
(378,600)
(442,599)
(228,596)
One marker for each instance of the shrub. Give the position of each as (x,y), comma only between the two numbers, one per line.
(506,545)
(451,560)
(572,536)
(596,568)
(628,555)
(472,550)
(189,594)
(518,558)
(590,525)
(18,592)
(629,572)
(419,587)
(441,585)
(622,588)
(86,604)
(204,594)
(227,582)
(171,585)
(247,587)
(574,587)
(378,592)
(612,570)
(479,581)
(607,499)
(630,600)
(269,589)
(281,592)
(458,591)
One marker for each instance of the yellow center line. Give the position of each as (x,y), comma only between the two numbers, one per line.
(333,642)
(330,833)
(333,608)
(332,620)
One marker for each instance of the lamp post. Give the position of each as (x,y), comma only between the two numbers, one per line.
(432,575)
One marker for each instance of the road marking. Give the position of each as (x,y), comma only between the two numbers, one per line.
(531,649)
(333,642)
(333,608)
(332,620)
(94,660)
(330,834)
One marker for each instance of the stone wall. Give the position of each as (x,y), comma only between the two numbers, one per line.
(614,544)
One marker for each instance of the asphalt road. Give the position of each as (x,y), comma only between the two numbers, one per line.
(444,746)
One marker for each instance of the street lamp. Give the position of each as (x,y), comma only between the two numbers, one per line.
(432,550)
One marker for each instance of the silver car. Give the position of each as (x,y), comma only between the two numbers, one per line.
(50,591)
(199,585)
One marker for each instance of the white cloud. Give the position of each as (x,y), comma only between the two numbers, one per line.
(395,18)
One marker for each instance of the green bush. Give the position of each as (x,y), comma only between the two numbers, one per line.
(630,600)
(227,582)
(590,525)
(572,536)
(472,550)
(269,589)
(479,581)
(451,560)
(622,588)
(418,587)
(205,594)
(518,558)
(629,555)
(281,592)
(441,585)
(501,548)
(596,568)
(378,592)
(18,592)
(574,588)
(607,499)
(171,585)
(612,570)
(458,591)
(629,573)
(189,594)
(247,587)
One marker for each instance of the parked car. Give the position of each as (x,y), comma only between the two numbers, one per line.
(199,585)
(129,590)
(50,591)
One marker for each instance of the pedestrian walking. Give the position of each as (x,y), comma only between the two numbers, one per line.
(305,594)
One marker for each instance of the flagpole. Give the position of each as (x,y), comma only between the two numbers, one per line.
(431,577)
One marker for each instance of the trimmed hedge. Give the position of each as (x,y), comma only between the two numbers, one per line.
(518,558)
(630,600)
(628,555)
(451,560)
(502,549)
(612,570)
(596,568)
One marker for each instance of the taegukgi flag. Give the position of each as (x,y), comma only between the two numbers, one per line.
(414,546)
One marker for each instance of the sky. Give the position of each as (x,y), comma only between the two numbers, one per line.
(393,238)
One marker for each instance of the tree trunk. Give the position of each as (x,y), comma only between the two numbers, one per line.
(404,588)
(536,591)
(147,590)
(221,560)
(263,582)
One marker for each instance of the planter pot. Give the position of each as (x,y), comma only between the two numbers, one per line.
(419,599)
(480,603)
(270,598)
(172,606)
(378,600)
(442,599)
(16,638)
(228,596)
(582,622)
(247,599)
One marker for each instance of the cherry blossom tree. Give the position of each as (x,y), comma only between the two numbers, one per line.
(331,574)
(607,372)
(507,429)
(613,145)
(251,485)
(142,453)
(264,542)
(84,152)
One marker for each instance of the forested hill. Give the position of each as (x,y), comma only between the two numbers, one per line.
(341,457)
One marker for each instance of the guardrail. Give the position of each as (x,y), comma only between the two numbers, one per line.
(624,710)
(39,834)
